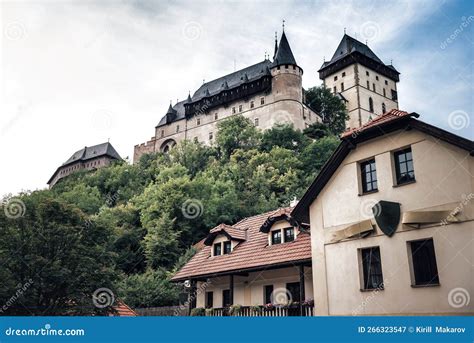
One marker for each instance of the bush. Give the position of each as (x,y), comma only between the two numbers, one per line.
(198,312)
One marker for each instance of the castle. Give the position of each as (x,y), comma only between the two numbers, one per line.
(271,92)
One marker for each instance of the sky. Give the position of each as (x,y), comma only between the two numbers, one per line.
(78,73)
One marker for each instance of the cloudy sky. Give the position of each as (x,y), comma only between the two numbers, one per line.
(78,73)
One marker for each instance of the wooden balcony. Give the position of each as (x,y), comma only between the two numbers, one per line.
(305,310)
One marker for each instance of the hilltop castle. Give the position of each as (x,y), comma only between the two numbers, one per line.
(271,92)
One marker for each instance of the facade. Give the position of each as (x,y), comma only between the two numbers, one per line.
(392,221)
(262,264)
(89,158)
(267,93)
(362,80)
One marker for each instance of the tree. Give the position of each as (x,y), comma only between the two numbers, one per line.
(57,256)
(329,107)
(317,130)
(236,132)
(284,136)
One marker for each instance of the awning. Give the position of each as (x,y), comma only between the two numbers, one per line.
(430,217)
(360,229)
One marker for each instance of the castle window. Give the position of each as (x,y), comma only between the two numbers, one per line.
(368,84)
(252,104)
(240,108)
(334,90)
(335,78)
(294,67)
(342,86)
(371,105)
(256,121)
(233,110)
(177,128)
(262,101)
(211,136)
(423,263)
(343,74)
(368,175)
(367,73)
(377,77)
(286,66)
(394,95)
(384,93)
(371,268)
(198,121)
(404,166)
(216,116)
(278,67)
(162,133)
(384,109)
(386,82)
(373,87)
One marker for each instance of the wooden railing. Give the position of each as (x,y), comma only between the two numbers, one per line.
(252,311)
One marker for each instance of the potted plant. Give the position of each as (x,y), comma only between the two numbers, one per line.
(256,309)
(209,311)
(198,312)
(234,310)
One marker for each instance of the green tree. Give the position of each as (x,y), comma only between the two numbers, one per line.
(331,108)
(236,132)
(317,130)
(284,136)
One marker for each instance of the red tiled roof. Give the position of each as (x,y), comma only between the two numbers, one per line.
(123,310)
(235,233)
(383,118)
(254,252)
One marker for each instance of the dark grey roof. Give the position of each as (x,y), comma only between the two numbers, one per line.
(87,153)
(179,111)
(284,55)
(349,45)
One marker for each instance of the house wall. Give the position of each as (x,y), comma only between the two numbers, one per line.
(249,291)
(94,163)
(443,182)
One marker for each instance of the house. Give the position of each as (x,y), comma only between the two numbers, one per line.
(392,221)
(267,93)
(260,266)
(88,158)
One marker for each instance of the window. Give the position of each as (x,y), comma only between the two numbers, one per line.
(371,105)
(177,128)
(278,67)
(334,89)
(198,121)
(425,270)
(227,247)
(211,136)
(367,73)
(289,234)
(343,74)
(384,92)
(240,108)
(373,87)
(404,166)
(335,78)
(226,298)
(386,82)
(256,121)
(342,86)
(286,66)
(276,237)
(209,299)
(384,109)
(217,249)
(252,105)
(233,110)
(162,133)
(216,116)
(267,294)
(371,268)
(293,291)
(377,77)
(394,95)
(368,175)
(368,84)
(262,101)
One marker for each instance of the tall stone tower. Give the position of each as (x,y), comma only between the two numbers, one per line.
(362,80)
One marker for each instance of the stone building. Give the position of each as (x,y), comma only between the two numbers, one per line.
(88,158)
(267,93)
(392,221)
(362,80)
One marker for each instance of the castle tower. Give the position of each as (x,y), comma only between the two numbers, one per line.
(362,80)
(287,84)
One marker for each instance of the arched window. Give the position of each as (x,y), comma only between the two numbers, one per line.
(383,108)
(371,105)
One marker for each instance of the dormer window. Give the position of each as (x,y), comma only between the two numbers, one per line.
(276,237)
(289,234)
(227,247)
(217,249)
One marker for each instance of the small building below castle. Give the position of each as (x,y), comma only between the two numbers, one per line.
(88,158)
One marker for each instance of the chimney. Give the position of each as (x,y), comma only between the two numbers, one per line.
(293,202)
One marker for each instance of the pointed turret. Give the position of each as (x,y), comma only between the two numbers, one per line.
(284,55)
(188,100)
(276,46)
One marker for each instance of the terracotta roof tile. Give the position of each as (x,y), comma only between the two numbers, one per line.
(123,310)
(254,252)
(383,118)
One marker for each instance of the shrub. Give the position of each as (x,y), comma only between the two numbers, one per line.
(198,312)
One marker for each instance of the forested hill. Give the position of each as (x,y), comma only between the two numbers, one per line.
(129,227)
